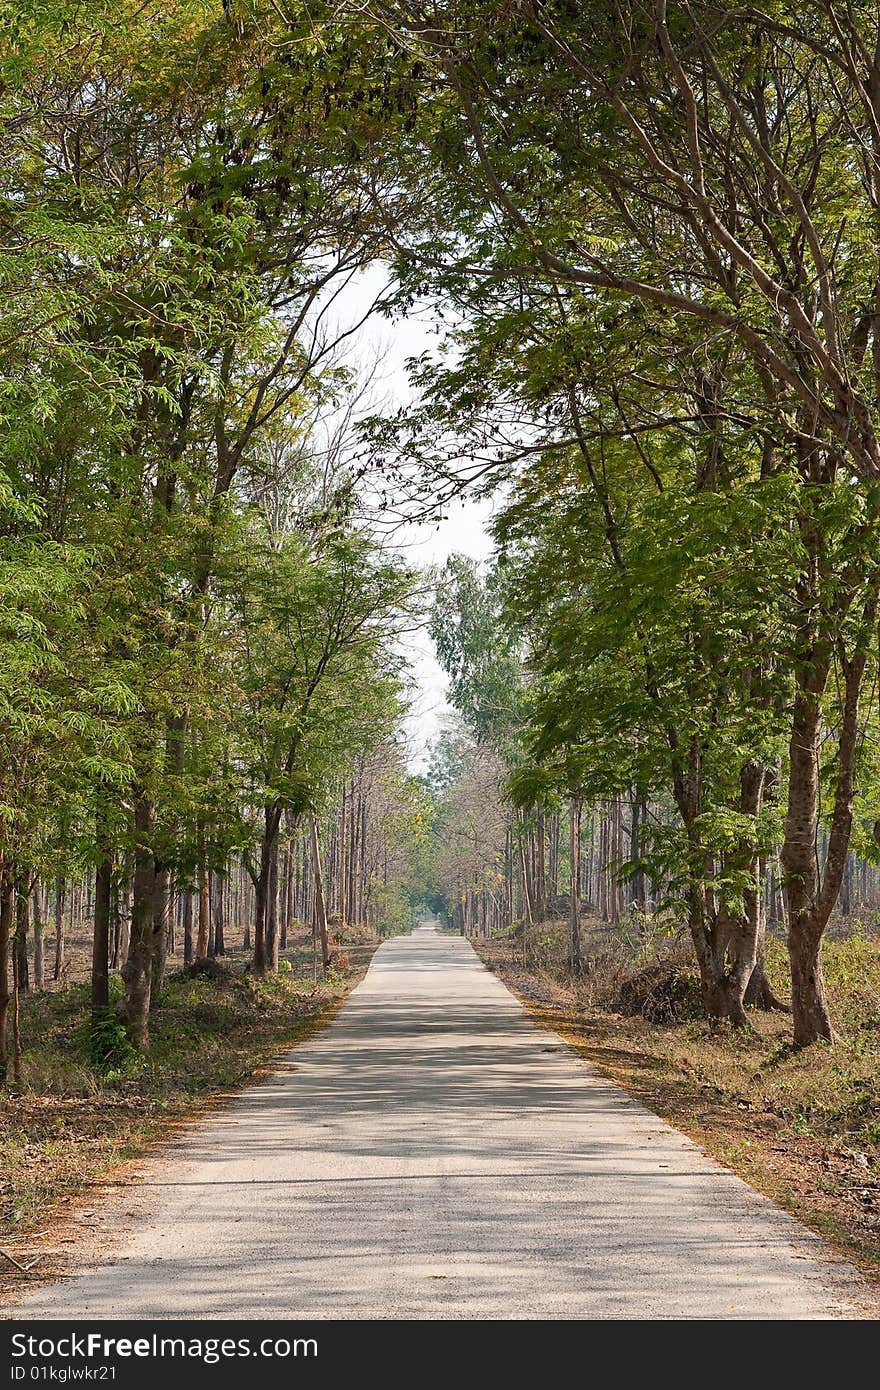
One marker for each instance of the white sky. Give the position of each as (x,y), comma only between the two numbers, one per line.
(464,528)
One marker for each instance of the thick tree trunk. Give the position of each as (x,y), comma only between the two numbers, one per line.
(732,957)
(809,1005)
(137,973)
(101,934)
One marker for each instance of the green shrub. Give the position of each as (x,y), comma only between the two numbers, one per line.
(106,1042)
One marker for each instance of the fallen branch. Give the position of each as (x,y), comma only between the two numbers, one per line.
(24,1269)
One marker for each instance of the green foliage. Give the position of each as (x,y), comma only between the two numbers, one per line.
(106,1043)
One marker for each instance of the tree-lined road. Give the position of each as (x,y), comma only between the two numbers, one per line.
(434,1154)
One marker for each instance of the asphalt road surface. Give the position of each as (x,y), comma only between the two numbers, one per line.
(435,1154)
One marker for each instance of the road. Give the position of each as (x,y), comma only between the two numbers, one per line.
(435,1154)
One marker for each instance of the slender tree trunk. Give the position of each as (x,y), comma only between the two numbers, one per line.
(219,909)
(60,886)
(289,884)
(163,904)
(264,958)
(541,869)
(17,954)
(7,913)
(362,867)
(637,882)
(343,857)
(101,934)
(261,890)
(39,967)
(137,973)
(574,911)
(116,923)
(204,914)
(320,909)
(22,923)
(272,934)
(759,993)
(188,950)
(528,915)
(244,887)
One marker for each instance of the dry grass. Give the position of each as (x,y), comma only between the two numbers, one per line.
(803,1127)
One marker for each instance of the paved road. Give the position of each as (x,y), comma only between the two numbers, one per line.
(435,1154)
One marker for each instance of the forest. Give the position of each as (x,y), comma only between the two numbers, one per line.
(647,238)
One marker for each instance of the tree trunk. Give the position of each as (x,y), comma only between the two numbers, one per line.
(524,877)
(809,1005)
(137,973)
(287,911)
(204,930)
(17,955)
(218,907)
(101,934)
(188,952)
(22,923)
(320,908)
(60,885)
(7,912)
(541,868)
(637,882)
(574,909)
(39,966)
(344,815)
(261,960)
(272,935)
(810,897)
(163,902)
(116,923)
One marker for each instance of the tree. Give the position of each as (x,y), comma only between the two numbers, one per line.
(714,177)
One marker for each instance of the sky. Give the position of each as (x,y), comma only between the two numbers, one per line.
(463,530)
